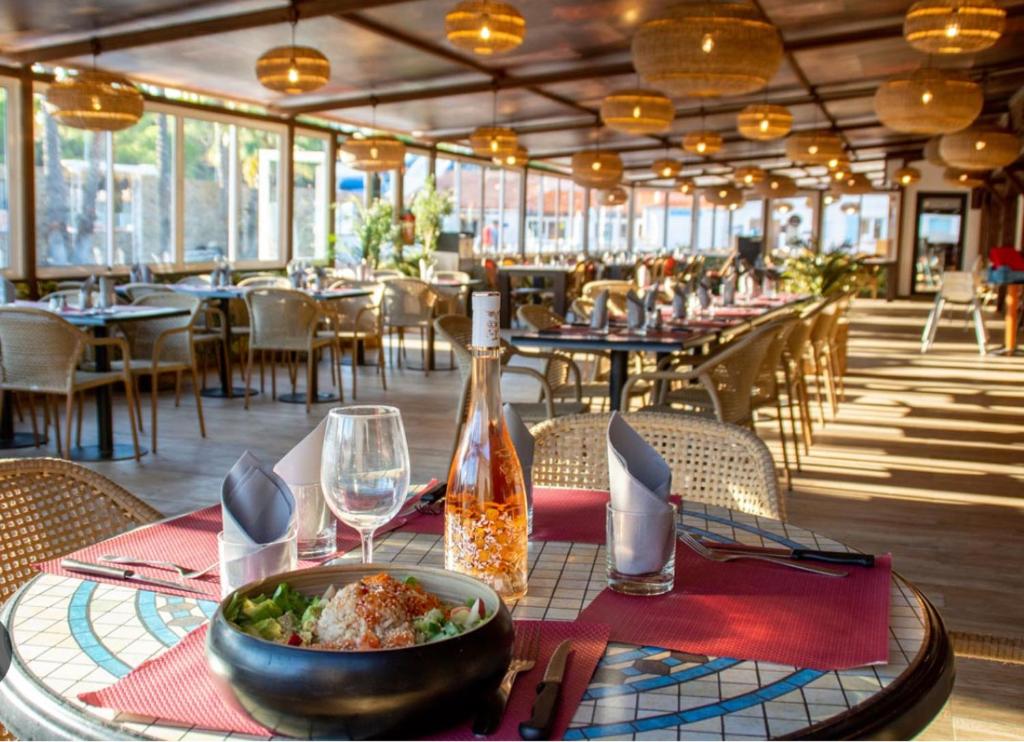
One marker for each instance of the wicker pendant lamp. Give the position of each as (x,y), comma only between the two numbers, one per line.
(596,168)
(728,196)
(485,27)
(928,101)
(980,147)
(776,186)
(517,158)
(685,186)
(953,26)
(855,184)
(707,49)
(931,152)
(748,177)
(963,178)
(666,168)
(906,176)
(703,142)
(375,153)
(763,122)
(493,141)
(293,69)
(95,100)
(819,147)
(637,111)
(613,196)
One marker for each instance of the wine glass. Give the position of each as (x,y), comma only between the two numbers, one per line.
(364,468)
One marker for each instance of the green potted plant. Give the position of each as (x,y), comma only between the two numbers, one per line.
(822,274)
(430,207)
(376,227)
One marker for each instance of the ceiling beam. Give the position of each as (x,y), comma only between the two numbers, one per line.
(128,38)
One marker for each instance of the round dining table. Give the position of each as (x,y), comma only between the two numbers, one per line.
(68,636)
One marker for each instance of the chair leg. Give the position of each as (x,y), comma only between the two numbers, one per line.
(423,352)
(32,414)
(199,402)
(355,365)
(933,325)
(263,357)
(979,327)
(782,441)
(55,405)
(805,406)
(128,390)
(819,384)
(380,364)
(78,427)
(137,380)
(830,383)
(154,382)
(248,374)
(310,370)
(273,375)
(69,408)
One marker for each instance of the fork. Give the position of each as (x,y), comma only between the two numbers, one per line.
(715,556)
(524,657)
(183,572)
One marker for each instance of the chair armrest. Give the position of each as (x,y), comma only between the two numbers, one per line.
(547,396)
(119,343)
(657,376)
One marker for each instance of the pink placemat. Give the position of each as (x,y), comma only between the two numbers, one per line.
(757,611)
(154,687)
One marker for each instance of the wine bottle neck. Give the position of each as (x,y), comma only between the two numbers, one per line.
(486,383)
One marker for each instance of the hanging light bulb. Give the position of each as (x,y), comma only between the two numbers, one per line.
(596,165)
(374,153)
(702,146)
(96,105)
(833,163)
(485,29)
(979,145)
(707,44)
(926,97)
(829,198)
(813,149)
(952,30)
(763,126)
(293,69)
(636,112)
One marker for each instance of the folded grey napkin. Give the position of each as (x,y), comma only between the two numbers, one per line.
(296,278)
(679,298)
(216,277)
(319,278)
(651,299)
(703,296)
(8,293)
(522,441)
(639,483)
(729,291)
(635,312)
(146,273)
(599,314)
(107,298)
(85,293)
(134,275)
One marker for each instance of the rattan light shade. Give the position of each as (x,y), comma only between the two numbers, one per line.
(519,157)
(763,122)
(928,101)
(982,147)
(293,69)
(906,176)
(376,153)
(493,141)
(596,168)
(708,49)
(963,178)
(613,196)
(855,184)
(818,147)
(953,26)
(931,152)
(637,111)
(685,186)
(666,168)
(485,27)
(747,177)
(776,186)
(728,196)
(703,142)
(91,99)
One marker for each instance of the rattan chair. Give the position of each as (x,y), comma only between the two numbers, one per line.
(164,346)
(72,297)
(794,369)
(200,281)
(138,290)
(617,291)
(409,304)
(767,390)
(265,281)
(821,356)
(719,386)
(359,321)
(41,352)
(712,463)
(285,320)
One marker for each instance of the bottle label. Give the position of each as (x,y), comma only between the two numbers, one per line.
(486,306)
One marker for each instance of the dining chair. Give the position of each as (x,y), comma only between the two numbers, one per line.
(359,321)
(794,369)
(265,281)
(285,320)
(452,299)
(556,371)
(960,289)
(137,290)
(40,353)
(820,355)
(198,281)
(712,463)
(767,391)
(163,345)
(617,291)
(409,303)
(72,296)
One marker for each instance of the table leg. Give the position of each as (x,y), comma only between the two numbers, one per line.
(890,282)
(430,347)
(560,284)
(505,289)
(9,438)
(1010,317)
(227,388)
(106,449)
(617,377)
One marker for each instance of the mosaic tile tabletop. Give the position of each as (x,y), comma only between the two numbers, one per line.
(72,636)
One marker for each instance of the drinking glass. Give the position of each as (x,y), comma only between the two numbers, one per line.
(364,469)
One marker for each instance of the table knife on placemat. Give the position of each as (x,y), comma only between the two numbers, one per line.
(807,555)
(130,575)
(542,717)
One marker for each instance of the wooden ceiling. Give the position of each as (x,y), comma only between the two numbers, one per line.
(393,53)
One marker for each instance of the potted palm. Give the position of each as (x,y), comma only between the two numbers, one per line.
(376,227)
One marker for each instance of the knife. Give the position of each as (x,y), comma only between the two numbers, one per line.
(808,555)
(102,570)
(434,493)
(542,717)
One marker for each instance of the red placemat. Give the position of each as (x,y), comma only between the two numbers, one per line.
(757,611)
(154,687)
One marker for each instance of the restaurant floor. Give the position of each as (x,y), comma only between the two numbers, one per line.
(925,460)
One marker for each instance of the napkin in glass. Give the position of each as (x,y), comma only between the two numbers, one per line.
(8,292)
(135,274)
(639,481)
(522,441)
(258,511)
(680,296)
(703,295)
(300,470)
(85,293)
(635,313)
(106,294)
(296,278)
(599,314)
(729,291)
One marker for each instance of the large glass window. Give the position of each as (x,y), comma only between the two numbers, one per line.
(551,226)
(349,196)
(791,227)
(447,179)
(5,179)
(309,203)
(713,228)
(748,219)
(417,168)
(208,169)
(508,236)
(649,219)
(491,235)
(144,191)
(468,206)
(680,221)
(857,223)
(609,226)
(259,192)
(534,212)
(577,209)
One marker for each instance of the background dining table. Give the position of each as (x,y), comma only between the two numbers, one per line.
(557,274)
(99,322)
(72,635)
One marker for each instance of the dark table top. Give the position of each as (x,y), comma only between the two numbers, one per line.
(236,292)
(581,337)
(535,269)
(112,316)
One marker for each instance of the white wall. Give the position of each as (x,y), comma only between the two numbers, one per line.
(931,182)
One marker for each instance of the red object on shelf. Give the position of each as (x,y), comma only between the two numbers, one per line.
(1006,256)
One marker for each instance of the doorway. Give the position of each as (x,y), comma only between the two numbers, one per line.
(938,238)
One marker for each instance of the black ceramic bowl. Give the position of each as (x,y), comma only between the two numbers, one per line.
(304,692)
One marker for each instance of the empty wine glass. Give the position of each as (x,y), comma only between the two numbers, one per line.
(364,469)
